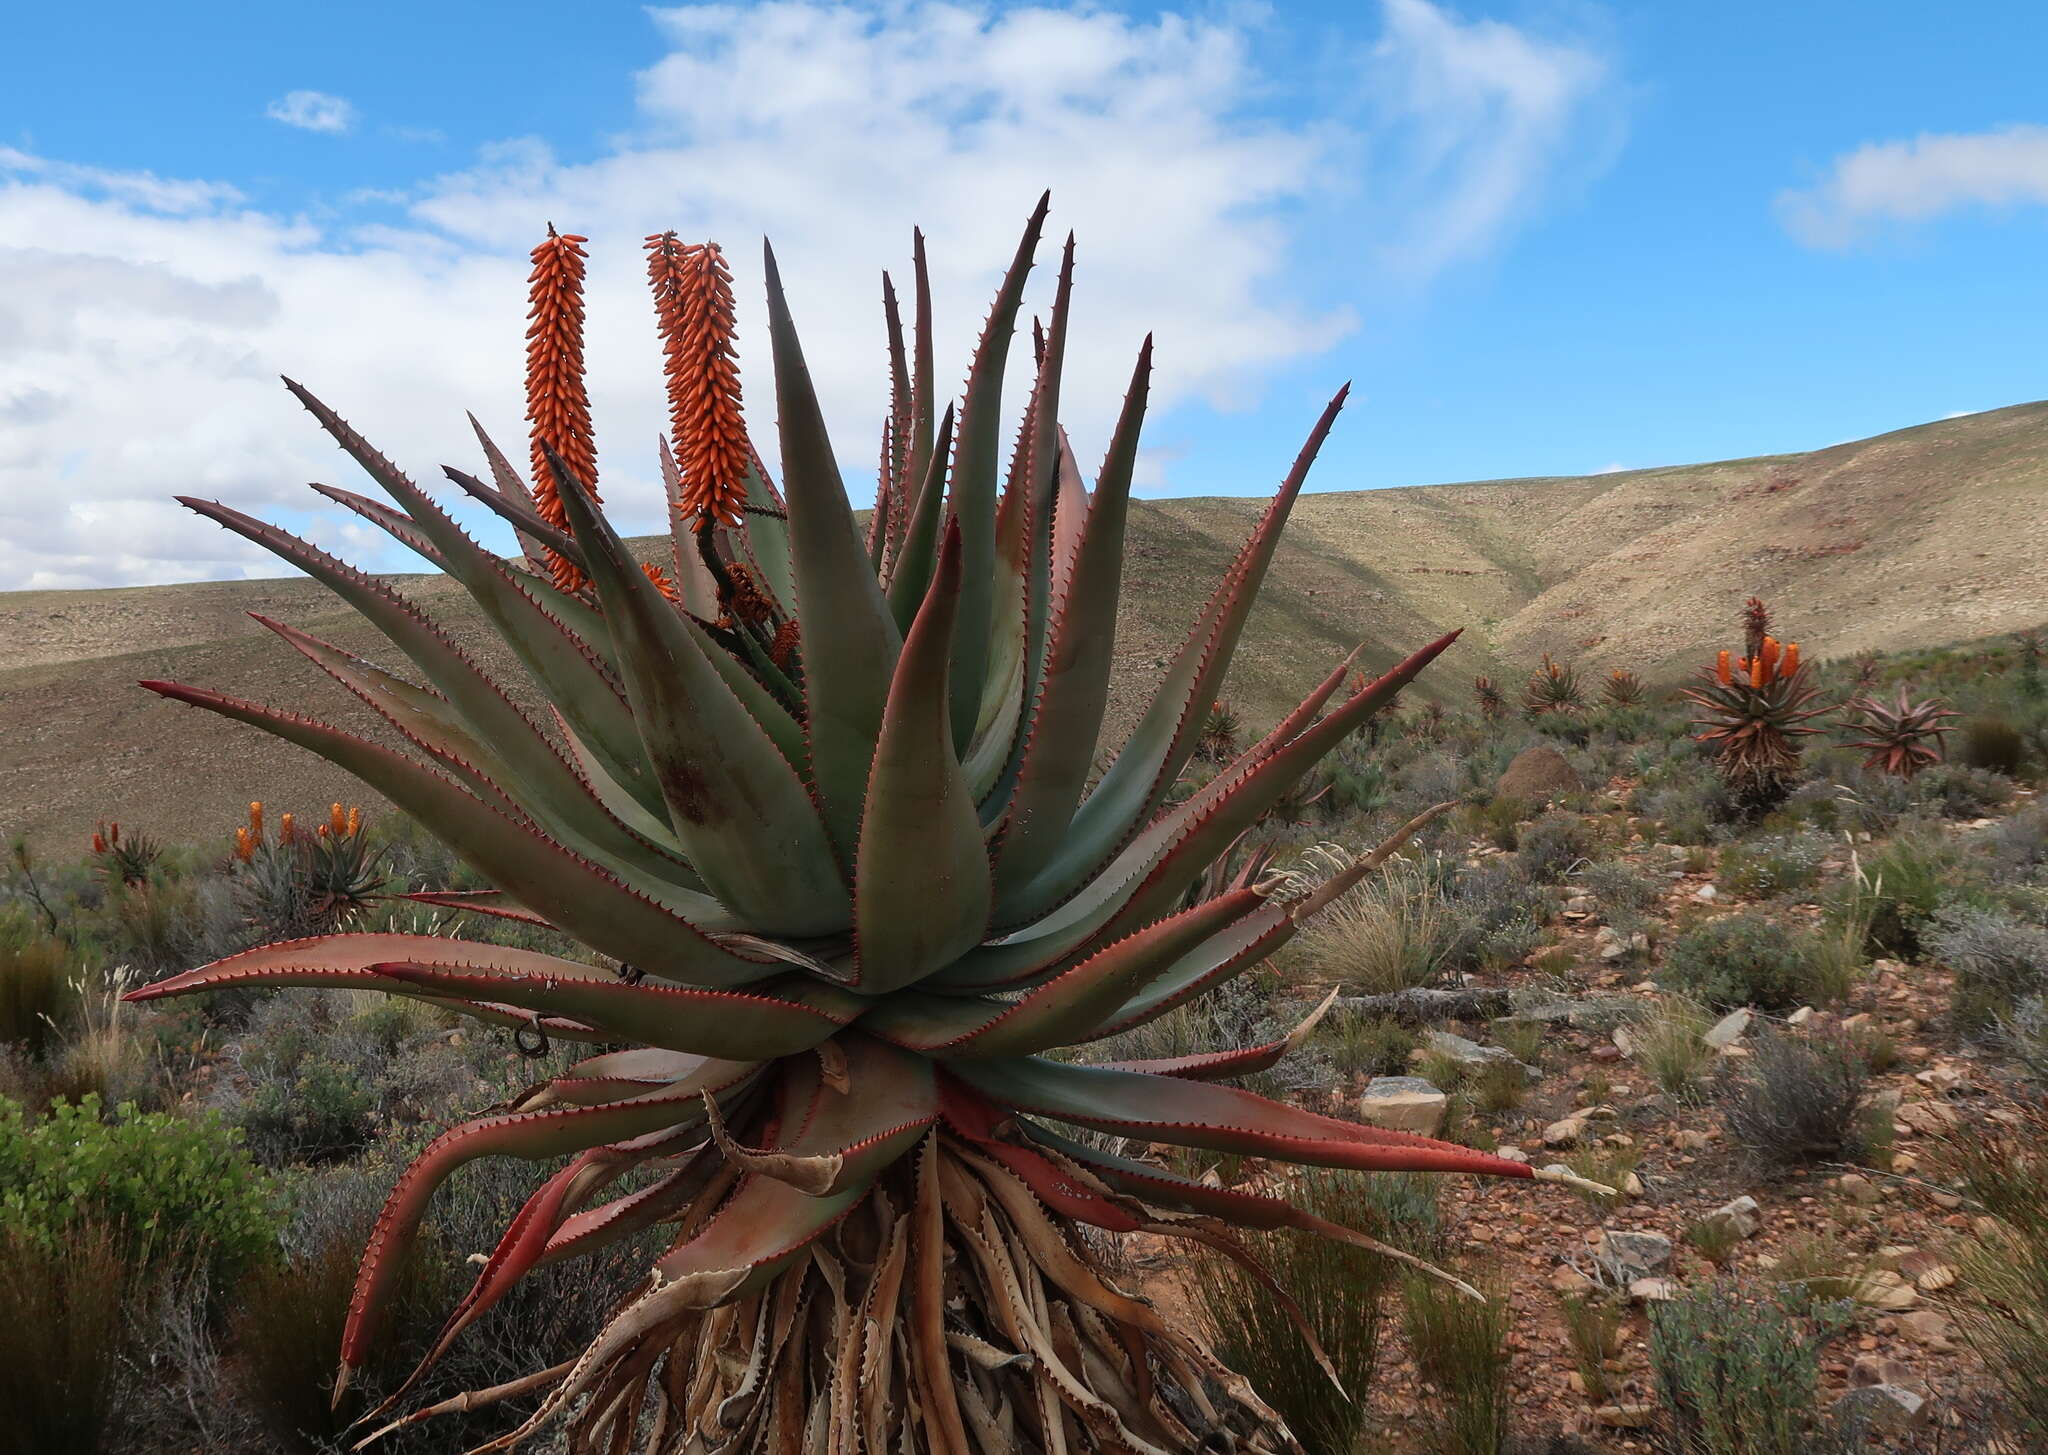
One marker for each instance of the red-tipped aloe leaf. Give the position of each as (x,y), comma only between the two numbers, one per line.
(565,889)
(850,641)
(921,887)
(743,816)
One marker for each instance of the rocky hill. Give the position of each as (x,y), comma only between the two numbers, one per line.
(1922,537)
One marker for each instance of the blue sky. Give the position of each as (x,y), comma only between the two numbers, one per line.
(1539,238)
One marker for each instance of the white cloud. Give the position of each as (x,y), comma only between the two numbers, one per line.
(143,322)
(1472,123)
(1917,181)
(312,111)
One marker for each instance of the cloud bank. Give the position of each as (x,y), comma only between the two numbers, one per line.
(1917,181)
(143,321)
(312,111)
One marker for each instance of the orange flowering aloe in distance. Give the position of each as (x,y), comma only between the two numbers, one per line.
(1754,711)
(851,889)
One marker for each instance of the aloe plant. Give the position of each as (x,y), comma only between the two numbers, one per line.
(823,804)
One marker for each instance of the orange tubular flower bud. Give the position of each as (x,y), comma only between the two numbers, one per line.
(99,844)
(661,582)
(1722,673)
(1769,657)
(694,312)
(355,821)
(1790,665)
(284,829)
(557,403)
(1758,673)
(245,845)
(256,819)
(337,819)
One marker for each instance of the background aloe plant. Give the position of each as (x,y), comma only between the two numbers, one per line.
(823,805)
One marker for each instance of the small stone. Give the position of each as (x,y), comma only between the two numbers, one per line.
(1871,1369)
(1403,1104)
(1706,894)
(1927,1270)
(1925,1326)
(1800,1016)
(1742,1217)
(1475,1057)
(1884,1407)
(1626,1416)
(1567,1279)
(1653,1290)
(1943,1079)
(1883,1289)
(1933,1118)
(1690,1139)
(1626,1257)
(1858,1189)
(1726,1031)
(1564,1133)
(1511,1154)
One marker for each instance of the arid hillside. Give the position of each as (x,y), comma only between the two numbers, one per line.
(1922,537)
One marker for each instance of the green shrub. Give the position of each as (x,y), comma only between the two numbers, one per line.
(1956,790)
(1554,845)
(1361,1045)
(1593,1326)
(1459,1345)
(62,1303)
(1740,959)
(1738,1370)
(35,991)
(170,1184)
(1339,1290)
(1799,1100)
(2004,1308)
(1620,888)
(1999,959)
(1895,892)
(1772,865)
(1992,743)
(1669,1048)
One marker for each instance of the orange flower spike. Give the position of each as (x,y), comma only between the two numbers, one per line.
(1769,657)
(557,403)
(114,832)
(99,844)
(1790,665)
(694,314)
(1758,673)
(1722,673)
(337,819)
(284,828)
(256,820)
(661,582)
(355,821)
(245,846)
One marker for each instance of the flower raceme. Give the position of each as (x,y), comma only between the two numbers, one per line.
(822,809)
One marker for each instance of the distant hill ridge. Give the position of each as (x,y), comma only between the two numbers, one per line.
(1921,537)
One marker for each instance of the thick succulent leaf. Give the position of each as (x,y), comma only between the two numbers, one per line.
(992,746)
(764,537)
(534,1135)
(1041,483)
(512,486)
(1230,1064)
(557,798)
(612,1076)
(1215,822)
(922,393)
(306,961)
(919,554)
(576,680)
(564,888)
(395,523)
(492,902)
(921,888)
(519,514)
(975,466)
(850,640)
(1026,954)
(743,815)
(1219,1118)
(693,580)
(484,704)
(780,1018)
(1066,1008)
(880,1106)
(1060,752)
(1159,747)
